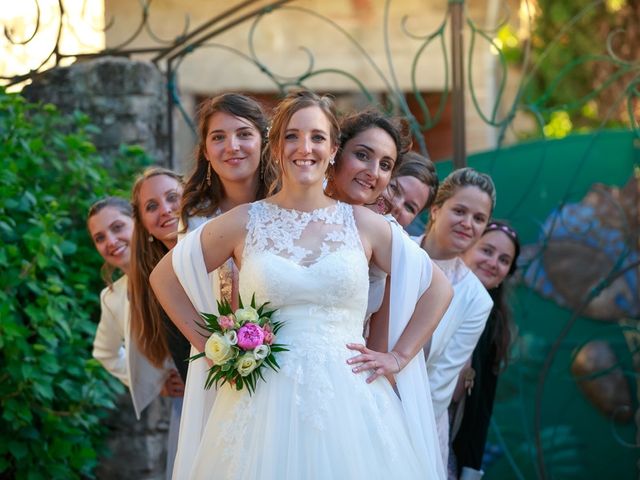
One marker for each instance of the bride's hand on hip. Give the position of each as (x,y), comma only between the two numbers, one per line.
(382,364)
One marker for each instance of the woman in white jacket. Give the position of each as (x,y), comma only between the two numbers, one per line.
(457,218)
(111,226)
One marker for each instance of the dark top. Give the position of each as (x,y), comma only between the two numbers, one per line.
(469,443)
(179,346)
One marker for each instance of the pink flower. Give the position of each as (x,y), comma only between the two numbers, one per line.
(267,328)
(225,322)
(269,338)
(250,336)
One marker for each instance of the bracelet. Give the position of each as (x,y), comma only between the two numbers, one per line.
(394,355)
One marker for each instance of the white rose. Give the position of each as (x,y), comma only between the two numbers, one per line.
(231,336)
(246,364)
(261,352)
(218,349)
(247,314)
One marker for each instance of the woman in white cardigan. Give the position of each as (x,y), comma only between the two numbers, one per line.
(457,218)
(110,225)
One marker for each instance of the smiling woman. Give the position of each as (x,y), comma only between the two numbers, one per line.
(493,258)
(156,199)
(458,216)
(413,187)
(229,166)
(110,225)
(370,144)
(307,254)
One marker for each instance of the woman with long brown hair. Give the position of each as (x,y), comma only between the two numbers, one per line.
(155,199)
(493,259)
(229,170)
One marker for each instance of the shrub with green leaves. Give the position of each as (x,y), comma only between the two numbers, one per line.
(52,393)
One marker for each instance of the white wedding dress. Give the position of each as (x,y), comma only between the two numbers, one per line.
(315,418)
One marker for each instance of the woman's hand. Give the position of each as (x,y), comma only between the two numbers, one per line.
(382,364)
(173,385)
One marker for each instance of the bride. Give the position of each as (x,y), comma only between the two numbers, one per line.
(326,413)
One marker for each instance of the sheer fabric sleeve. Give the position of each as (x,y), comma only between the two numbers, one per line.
(411,271)
(189,266)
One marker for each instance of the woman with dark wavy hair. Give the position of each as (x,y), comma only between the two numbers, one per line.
(493,259)
(229,171)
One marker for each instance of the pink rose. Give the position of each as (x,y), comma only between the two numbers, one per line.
(269,338)
(250,336)
(225,322)
(267,328)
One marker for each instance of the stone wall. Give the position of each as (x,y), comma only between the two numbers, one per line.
(138,448)
(126,99)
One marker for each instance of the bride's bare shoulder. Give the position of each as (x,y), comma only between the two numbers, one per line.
(368,221)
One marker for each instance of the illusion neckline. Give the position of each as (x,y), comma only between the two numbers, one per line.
(302,212)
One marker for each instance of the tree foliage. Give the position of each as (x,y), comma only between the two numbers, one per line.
(585,56)
(52,393)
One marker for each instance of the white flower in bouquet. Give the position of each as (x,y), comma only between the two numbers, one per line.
(247,314)
(218,349)
(231,336)
(261,352)
(246,364)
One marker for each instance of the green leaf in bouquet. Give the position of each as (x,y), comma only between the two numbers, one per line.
(269,361)
(278,347)
(253,300)
(196,356)
(275,326)
(251,383)
(224,307)
(239,381)
(275,362)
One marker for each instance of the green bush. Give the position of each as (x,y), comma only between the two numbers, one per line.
(52,393)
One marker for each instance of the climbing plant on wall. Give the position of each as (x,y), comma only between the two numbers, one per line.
(52,393)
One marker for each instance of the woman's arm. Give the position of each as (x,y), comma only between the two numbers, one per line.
(427,313)
(220,239)
(108,345)
(378,339)
(176,303)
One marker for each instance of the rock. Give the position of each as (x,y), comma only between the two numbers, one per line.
(602,382)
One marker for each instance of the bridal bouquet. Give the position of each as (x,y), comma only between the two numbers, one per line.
(240,345)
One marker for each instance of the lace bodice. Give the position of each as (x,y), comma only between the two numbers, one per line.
(304,258)
(311,266)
